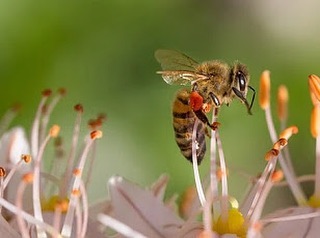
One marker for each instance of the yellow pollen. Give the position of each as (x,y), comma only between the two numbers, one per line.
(314,202)
(264,92)
(62,205)
(54,131)
(55,201)
(96,134)
(315,121)
(234,225)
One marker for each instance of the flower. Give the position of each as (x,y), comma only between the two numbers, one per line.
(38,203)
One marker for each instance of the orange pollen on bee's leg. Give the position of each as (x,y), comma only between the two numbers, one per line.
(196,101)
(206,107)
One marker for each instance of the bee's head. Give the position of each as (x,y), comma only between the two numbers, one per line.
(239,76)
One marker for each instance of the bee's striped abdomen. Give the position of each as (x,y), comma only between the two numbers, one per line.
(183,123)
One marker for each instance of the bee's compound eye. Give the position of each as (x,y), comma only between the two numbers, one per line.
(242,81)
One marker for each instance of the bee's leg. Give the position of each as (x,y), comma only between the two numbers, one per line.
(202,117)
(207,132)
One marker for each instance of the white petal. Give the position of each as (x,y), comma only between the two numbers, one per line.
(6,230)
(159,186)
(141,210)
(300,222)
(12,144)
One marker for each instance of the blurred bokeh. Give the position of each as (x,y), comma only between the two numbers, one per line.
(102,52)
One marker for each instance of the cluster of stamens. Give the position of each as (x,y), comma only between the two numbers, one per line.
(62,197)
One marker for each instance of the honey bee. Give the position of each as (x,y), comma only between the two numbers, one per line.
(215,81)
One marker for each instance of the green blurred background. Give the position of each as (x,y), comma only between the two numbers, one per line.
(102,53)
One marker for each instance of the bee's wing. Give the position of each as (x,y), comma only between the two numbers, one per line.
(178,68)
(180,77)
(174,60)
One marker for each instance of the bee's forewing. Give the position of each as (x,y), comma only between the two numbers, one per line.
(174,60)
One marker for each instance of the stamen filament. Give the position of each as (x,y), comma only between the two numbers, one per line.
(30,219)
(224,181)
(75,139)
(197,178)
(11,173)
(287,169)
(19,199)
(36,124)
(213,160)
(66,229)
(317,172)
(46,115)
(85,209)
(36,186)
